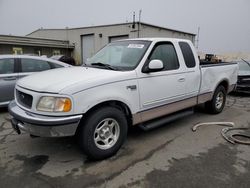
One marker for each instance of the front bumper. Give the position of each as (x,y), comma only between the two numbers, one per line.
(44,126)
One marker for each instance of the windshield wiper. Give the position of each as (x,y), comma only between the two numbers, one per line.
(104,65)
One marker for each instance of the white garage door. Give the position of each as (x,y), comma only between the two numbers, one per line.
(88,47)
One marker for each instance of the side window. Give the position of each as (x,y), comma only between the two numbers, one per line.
(166,53)
(6,66)
(54,65)
(187,54)
(56,52)
(34,65)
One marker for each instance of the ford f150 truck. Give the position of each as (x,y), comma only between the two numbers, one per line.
(145,82)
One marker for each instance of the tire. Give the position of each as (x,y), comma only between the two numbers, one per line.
(216,105)
(103,133)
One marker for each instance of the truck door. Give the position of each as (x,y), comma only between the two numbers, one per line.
(167,86)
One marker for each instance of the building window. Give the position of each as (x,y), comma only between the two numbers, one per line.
(38,51)
(56,52)
(17,50)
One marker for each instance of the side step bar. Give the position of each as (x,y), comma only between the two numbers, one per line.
(166,119)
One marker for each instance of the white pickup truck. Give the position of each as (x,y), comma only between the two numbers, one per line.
(145,82)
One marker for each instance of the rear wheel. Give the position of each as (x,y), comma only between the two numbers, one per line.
(103,132)
(218,101)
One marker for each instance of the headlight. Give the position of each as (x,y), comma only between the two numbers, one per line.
(54,104)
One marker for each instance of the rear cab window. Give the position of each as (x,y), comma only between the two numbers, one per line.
(7,66)
(187,54)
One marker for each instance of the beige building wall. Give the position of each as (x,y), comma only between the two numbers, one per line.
(103,33)
(101,37)
(148,31)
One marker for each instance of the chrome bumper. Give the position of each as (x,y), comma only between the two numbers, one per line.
(44,126)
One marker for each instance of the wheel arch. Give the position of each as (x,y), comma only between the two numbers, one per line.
(111,103)
(224,83)
(211,104)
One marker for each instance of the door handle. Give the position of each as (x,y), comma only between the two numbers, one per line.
(10,78)
(132,87)
(181,80)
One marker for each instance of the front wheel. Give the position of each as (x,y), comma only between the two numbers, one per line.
(218,101)
(103,132)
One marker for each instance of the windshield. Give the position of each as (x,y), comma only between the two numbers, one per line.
(243,66)
(120,55)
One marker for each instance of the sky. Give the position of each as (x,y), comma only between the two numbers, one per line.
(224,24)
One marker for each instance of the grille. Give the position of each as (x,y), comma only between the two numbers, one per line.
(24,99)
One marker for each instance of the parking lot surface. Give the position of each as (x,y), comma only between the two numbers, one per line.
(169,156)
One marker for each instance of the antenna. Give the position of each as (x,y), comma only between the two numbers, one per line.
(133,25)
(139,23)
(140,16)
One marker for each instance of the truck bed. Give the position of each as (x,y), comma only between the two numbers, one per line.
(203,62)
(214,73)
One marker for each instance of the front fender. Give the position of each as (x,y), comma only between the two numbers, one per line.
(87,99)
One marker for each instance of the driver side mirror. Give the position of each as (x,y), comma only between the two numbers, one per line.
(154,65)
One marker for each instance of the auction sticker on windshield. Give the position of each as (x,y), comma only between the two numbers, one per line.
(136,46)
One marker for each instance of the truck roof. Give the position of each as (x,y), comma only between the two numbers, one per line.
(155,39)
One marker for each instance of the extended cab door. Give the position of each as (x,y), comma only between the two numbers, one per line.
(192,65)
(163,87)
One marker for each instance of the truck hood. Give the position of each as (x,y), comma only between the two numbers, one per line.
(72,80)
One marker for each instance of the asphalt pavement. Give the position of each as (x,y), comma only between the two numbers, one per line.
(170,156)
